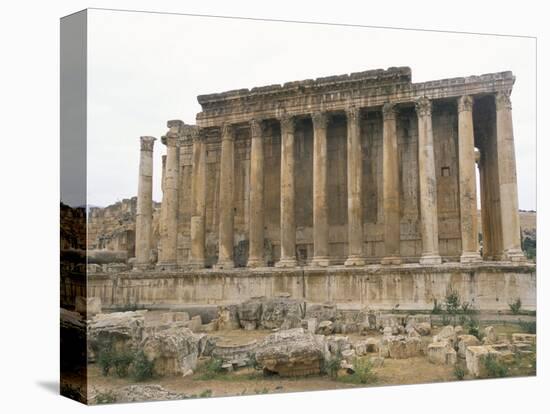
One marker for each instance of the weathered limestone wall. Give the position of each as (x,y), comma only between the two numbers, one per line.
(113,227)
(487,286)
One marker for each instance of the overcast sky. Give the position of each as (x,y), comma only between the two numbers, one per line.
(145,69)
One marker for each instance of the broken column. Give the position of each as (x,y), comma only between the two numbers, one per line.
(144,213)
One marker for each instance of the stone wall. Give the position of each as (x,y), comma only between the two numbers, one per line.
(486,286)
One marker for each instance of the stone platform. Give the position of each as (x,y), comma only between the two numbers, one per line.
(488,286)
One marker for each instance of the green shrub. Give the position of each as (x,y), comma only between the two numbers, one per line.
(121,363)
(494,368)
(452,303)
(459,372)
(142,368)
(515,306)
(437,308)
(364,374)
(205,394)
(105,361)
(332,365)
(474,328)
(528,326)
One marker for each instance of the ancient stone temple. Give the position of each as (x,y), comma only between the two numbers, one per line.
(352,169)
(358,188)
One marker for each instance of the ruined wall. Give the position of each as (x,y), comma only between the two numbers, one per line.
(112,228)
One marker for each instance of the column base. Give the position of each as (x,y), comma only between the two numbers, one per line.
(224,264)
(197,263)
(430,259)
(320,261)
(255,262)
(355,261)
(514,255)
(470,257)
(287,262)
(166,267)
(141,267)
(391,260)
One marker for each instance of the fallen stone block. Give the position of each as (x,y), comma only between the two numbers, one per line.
(88,307)
(464,341)
(292,353)
(475,356)
(228,317)
(116,332)
(523,337)
(490,336)
(441,353)
(325,328)
(172,351)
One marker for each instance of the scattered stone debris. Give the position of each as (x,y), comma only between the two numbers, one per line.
(136,393)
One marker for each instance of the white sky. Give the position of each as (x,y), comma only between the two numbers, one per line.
(145,69)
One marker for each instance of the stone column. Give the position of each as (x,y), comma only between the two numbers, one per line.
(256,210)
(428,184)
(508,189)
(390,173)
(225,254)
(320,189)
(144,213)
(355,177)
(288,220)
(198,200)
(168,253)
(467,181)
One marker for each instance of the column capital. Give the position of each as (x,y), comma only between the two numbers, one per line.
(198,135)
(389,110)
(319,119)
(175,125)
(228,131)
(147,143)
(423,106)
(353,113)
(170,140)
(465,103)
(502,100)
(256,127)
(287,122)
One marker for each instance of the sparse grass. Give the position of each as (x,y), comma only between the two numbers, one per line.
(459,372)
(105,397)
(211,370)
(494,368)
(528,326)
(364,373)
(142,368)
(332,366)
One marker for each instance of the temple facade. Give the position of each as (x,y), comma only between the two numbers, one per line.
(344,170)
